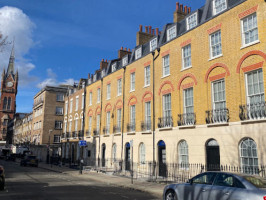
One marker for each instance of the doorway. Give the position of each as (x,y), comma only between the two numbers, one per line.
(162,158)
(213,155)
(127,156)
(103,154)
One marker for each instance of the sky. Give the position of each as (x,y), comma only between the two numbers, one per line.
(61,41)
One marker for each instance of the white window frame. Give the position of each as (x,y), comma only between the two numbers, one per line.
(167,100)
(108,122)
(183,154)
(132,81)
(219,44)
(214,107)
(119,118)
(166,66)
(185,49)
(194,23)
(70,126)
(133,115)
(171,33)
(58,124)
(58,97)
(66,107)
(153,44)
(98,119)
(125,61)
(90,99)
(98,95)
(71,106)
(59,110)
(244,44)
(138,53)
(76,125)
(119,87)
(108,91)
(142,153)
(147,76)
(186,98)
(77,103)
(215,12)
(90,124)
(82,102)
(114,147)
(113,67)
(148,114)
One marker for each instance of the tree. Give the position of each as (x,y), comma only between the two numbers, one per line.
(3,41)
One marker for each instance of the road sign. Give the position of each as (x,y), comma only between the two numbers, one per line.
(82,143)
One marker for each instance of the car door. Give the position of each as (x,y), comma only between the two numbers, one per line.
(227,187)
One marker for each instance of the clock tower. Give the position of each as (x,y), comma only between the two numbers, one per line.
(9,84)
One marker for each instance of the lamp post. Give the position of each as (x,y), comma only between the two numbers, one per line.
(48,147)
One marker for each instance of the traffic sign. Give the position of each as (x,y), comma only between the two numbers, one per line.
(82,143)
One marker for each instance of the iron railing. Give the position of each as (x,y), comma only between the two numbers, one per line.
(186,119)
(106,130)
(96,132)
(217,116)
(88,133)
(81,134)
(131,127)
(145,125)
(116,129)
(252,111)
(74,134)
(68,135)
(165,122)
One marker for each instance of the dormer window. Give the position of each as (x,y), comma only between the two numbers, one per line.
(171,33)
(102,73)
(138,53)
(94,77)
(192,21)
(219,6)
(125,61)
(113,67)
(153,44)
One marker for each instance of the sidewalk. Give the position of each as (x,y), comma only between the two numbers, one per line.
(155,189)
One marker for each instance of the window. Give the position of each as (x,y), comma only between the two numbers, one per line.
(5,104)
(114,152)
(148,115)
(76,125)
(58,124)
(147,75)
(77,103)
(59,97)
(71,105)
(186,51)
(90,98)
(125,61)
(188,101)
(206,178)
(167,105)
(255,88)
(59,110)
(81,124)
(216,45)
(153,44)
(218,90)
(66,107)
(108,122)
(90,123)
(166,66)
(132,117)
(113,67)
(98,95)
(119,87)
(82,101)
(108,90)
(119,116)
(70,126)
(183,154)
(138,53)
(219,6)
(171,33)
(249,29)
(65,127)
(56,138)
(227,180)
(192,21)
(9,103)
(98,123)
(248,156)
(142,153)
(132,81)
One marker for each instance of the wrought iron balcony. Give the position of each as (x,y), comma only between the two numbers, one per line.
(63,136)
(116,129)
(88,133)
(96,132)
(68,135)
(81,134)
(74,134)
(186,119)
(252,111)
(145,125)
(106,130)
(217,116)
(131,127)
(165,122)
(36,103)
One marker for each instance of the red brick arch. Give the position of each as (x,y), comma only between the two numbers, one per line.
(146,93)
(97,110)
(165,83)
(90,112)
(215,66)
(106,107)
(184,77)
(117,102)
(250,53)
(132,97)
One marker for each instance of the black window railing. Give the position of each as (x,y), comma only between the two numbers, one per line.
(88,133)
(165,122)
(96,132)
(74,134)
(68,135)
(117,129)
(252,111)
(81,134)
(145,125)
(217,116)
(186,119)
(131,127)
(106,130)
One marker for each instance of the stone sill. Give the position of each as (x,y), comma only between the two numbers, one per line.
(106,135)
(165,128)
(146,132)
(187,127)
(253,121)
(218,124)
(131,133)
(117,134)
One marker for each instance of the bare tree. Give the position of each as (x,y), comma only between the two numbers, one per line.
(3,42)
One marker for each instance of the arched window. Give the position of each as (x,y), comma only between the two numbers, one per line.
(248,156)
(114,152)
(5,103)
(183,153)
(9,103)
(142,153)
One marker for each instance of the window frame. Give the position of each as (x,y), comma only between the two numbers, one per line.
(171,35)
(215,45)
(188,23)
(214,10)
(108,91)
(108,122)
(213,92)
(153,44)
(114,67)
(166,67)
(148,114)
(125,61)
(183,153)
(119,87)
(183,57)
(90,98)
(132,81)
(185,98)
(138,53)
(77,103)
(147,76)
(98,95)
(142,153)
(243,38)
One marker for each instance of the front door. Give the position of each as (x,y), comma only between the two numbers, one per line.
(213,156)
(103,155)
(162,158)
(127,157)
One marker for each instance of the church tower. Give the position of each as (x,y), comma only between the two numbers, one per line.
(9,84)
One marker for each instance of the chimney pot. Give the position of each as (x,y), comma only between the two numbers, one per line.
(149,29)
(152,31)
(106,60)
(140,28)
(125,49)
(185,9)
(181,8)
(128,49)
(146,29)
(102,60)
(157,31)
(189,9)
(121,48)
(177,6)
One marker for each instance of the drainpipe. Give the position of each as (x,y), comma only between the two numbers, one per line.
(123,116)
(153,109)
(100,122)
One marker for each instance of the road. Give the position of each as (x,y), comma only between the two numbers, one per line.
(31,183)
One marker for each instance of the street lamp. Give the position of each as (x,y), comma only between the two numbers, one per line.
(48,148)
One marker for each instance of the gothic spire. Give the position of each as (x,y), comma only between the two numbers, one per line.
(10,69)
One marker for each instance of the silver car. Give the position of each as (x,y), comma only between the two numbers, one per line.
(218,186)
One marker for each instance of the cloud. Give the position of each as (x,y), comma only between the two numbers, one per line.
(51,80)
(17,25)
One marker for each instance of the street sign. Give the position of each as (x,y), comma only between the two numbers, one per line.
(82,143)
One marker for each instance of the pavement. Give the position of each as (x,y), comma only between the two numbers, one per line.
(155,189)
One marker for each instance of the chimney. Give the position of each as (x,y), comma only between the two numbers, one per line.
(103,64)
(89,75)
(122,52)
(143,37)
(180,13)
(157,31)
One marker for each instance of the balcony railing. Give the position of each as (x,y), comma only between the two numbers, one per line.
(252,111)
(217,116)
(106,130)
(96,132)
(88,133)
(63,136)
(74,134)
(37,102)
(131,127)
(116,129)
(68,135)
(186,119)
(165,122)
(145,125)
(81,134)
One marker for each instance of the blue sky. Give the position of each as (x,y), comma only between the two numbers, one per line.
(61,41)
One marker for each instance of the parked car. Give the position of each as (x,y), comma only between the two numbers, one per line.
(218,186)
(2,178)
(29,160)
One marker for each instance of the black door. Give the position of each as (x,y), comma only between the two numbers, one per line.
(162,159)
(103,155)
(127,157)
(72,153)
(213,156)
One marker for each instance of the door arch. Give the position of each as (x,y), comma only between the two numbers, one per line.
(103,154)
(212,155)
(162,158)
(127,156)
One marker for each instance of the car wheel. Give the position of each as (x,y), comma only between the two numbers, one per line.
(170,195)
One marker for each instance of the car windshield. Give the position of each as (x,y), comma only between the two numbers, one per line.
(256,181)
